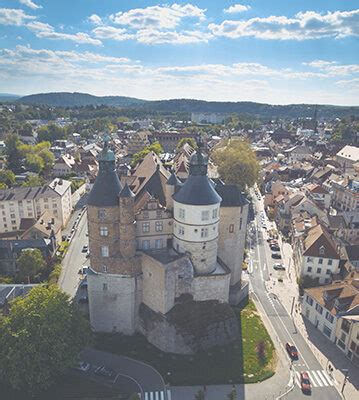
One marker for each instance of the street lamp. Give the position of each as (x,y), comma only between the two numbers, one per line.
(345,378)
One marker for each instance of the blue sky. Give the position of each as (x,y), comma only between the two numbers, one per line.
(274,51)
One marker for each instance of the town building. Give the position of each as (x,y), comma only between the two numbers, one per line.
(345,195)
(166,256)
(347,157)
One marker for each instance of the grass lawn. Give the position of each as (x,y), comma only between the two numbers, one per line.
(250,359)
(71,387)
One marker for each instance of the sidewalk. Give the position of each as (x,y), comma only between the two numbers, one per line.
(325,351)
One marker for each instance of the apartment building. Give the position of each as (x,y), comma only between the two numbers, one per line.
(347,157)
(346,194)
(347,335)
(30,202)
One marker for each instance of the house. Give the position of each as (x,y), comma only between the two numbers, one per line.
(352,252)
(347,337)
(347,157)
(323,306)
(317,255)
(318,194)
(346,194)
(63,165)
(298,153)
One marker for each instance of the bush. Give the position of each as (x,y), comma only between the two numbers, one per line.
(55,274)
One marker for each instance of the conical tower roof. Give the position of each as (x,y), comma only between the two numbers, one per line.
(107,186)
(173,180)
(126,191)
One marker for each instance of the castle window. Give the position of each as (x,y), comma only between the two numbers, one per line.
(145,244)
(104,251)
(101,214)
(181,230)
(158,244)
(159,213)
(240,224)
(330,261)
(159,226)
(104,269)
(145,227)
(103,231)
(204,232)
(215,213)
(205,215)
(321,250)
(105,287)
(181,213)
(231,228)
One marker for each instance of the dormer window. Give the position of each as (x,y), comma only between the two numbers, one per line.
(321,250)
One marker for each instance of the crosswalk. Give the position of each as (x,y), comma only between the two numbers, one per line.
(156,395)
(318,378)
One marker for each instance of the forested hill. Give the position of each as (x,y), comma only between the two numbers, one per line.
(66,99)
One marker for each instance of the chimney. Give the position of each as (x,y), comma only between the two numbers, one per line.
(52,220)
(41,221)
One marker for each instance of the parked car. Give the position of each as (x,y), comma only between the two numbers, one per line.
(88,254)
(85,249)
(83,366)
(292,351)
(279,267)
(274,247)
(105,371)
(83,300)
(277,256)
(305,382)
(83,284)
(83,270)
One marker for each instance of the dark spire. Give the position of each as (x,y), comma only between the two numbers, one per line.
(173,180)
(126,191)
(107,186)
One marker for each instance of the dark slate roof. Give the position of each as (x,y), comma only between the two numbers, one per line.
(231,196)
(155,186)
(353,252)
(197,190)
(12,291)
(173,180)
(126,191)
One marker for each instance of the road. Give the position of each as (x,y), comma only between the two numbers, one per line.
(261,271)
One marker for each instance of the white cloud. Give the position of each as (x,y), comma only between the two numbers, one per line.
(12,16)
(332,68)
(110,32)
(303,26)
(95,19)
(44,30)
(158,17)
(236,8)
(30,4)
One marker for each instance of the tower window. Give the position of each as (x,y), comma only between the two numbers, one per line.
(102,214)
(104,269)
(181,213)
(145,244)
(204,232)
(105,287)
(181,230)
(215,213)
(103,231)
(205,215)
(158,244)
(145,227)
(104,251)
(231,228)
(159,226)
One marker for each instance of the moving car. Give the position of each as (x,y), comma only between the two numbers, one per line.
(104,371)
(292,351)
(305,382)
(83,366)
(279,267)
(277,256)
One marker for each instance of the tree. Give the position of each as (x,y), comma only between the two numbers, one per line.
(30,263)
(7,177)
(237,163)
(137,157)
(40,339)
(34,163)
(33,180)
(13,155)
(188,140)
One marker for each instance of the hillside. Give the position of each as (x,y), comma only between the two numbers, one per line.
(8,97)
(66,99)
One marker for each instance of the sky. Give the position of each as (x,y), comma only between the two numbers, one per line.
(276,51)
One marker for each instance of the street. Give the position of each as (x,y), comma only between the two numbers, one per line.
(263,277)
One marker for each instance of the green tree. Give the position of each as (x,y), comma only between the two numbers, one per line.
(183,141)
(137,157)
(34,163)
(33,180)
(30,263)
(237,163)
(7,177)
(50,133)
(40,339)
(13,155)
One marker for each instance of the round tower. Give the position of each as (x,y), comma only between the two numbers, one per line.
(196,216)
(127,222)
(172,183)
(103,214)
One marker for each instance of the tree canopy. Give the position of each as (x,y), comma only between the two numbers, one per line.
(237,163)
(7,178)
(30,263)
(40,339)
(137,157)
(188,140)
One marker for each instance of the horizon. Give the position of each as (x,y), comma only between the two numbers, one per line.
(275,53)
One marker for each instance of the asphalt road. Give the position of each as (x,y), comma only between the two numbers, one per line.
(260,268)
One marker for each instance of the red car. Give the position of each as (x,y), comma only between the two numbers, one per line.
(292,351)
(305,383)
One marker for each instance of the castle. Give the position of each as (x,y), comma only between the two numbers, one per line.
(166,256)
